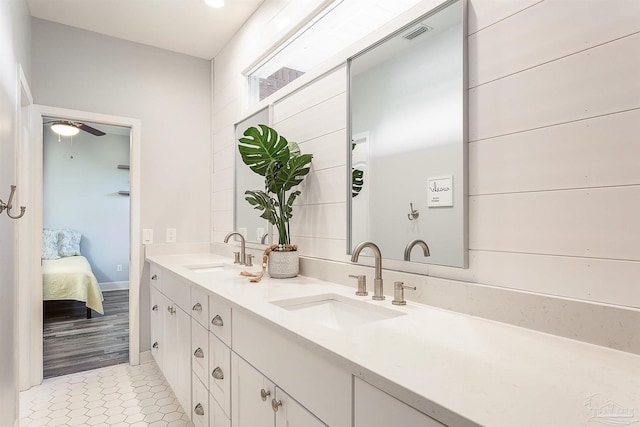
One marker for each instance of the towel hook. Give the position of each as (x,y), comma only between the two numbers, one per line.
(414,213)
(8,206)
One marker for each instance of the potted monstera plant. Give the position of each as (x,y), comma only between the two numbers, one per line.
(283,167)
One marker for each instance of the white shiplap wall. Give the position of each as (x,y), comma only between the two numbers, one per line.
(554,160)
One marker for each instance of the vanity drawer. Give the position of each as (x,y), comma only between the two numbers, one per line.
(220,373)
(199,306)
(199,351)
(200,398)
(217,417)
(155,273)
(220,319)
(177,290)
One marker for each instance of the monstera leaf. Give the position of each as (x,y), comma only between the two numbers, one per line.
(357,181)
(283,177)
(261,201)
(261,147)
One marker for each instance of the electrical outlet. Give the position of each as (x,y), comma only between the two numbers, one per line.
(119,267)
(171,235)
(147,236)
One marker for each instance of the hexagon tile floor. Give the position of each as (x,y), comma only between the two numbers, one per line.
(116,396)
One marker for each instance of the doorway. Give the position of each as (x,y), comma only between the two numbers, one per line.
(32,331)
(86,219)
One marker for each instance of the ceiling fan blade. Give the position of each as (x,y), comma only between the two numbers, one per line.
(92,131)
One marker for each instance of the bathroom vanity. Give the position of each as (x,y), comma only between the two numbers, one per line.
(303,352)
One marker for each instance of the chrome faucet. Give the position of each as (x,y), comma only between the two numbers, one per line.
(243,256)
(377,281)
(411,244)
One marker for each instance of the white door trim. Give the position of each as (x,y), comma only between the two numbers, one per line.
(135,248)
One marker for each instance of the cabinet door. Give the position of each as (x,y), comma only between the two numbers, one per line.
(290,413)
(183,358)
(375,408)
(169,349)
(251,396)
(220,373)
(158,301)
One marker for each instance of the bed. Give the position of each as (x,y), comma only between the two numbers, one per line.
(67,275)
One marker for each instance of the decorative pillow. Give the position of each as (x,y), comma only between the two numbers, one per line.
(69,242)
(50,244)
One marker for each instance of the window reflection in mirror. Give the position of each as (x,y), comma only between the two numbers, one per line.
(247,220)
(408,140)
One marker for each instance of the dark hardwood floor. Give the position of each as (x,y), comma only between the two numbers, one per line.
(73,343)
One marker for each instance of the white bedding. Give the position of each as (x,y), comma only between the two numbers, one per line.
(71,278)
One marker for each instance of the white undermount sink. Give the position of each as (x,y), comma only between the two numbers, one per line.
(206,268)
(337,311)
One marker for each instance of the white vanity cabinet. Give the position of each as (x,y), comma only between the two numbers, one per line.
(258,402)
(171,335)
(375,408)
(312,377)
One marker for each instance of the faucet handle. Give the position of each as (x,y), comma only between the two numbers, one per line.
(248,260)
(236,257)
(398,293)
(362,284)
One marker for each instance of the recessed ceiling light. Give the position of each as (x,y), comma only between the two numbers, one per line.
(214,3)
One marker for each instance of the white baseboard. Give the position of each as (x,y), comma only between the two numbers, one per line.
(114,286)
(146,357)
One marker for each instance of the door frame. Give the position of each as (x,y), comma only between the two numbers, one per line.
(135,248)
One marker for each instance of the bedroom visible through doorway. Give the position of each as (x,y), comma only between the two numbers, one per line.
(86,244)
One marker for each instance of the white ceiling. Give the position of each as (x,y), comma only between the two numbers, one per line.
(185,26)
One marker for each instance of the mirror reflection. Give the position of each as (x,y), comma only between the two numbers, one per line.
(408,146)
(247,220)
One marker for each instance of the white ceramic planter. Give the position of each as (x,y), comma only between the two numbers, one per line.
(283,265)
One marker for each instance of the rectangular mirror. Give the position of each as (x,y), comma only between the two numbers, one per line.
(408,149)
(247,220)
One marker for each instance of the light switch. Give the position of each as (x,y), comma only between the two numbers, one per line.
(171,235)
(147,236)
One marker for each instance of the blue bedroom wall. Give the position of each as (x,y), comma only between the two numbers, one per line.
(82,193)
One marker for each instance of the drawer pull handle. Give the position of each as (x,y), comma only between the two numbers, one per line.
(155,307)
(156,345)
(218,374)
(171,310)
(275,404)
(264,394)
(199,410)
(154,277)
(197,307)
(217,321)
(199,353)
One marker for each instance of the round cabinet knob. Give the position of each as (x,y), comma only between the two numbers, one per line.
(155,307)
(275,404)
(197,307)
(154,277)
(199,353)
(156,345)
(264,394)
(217,320)
(219,375)
(199,410)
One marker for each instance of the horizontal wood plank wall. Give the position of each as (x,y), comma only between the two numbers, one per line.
(554,163)
(316,118)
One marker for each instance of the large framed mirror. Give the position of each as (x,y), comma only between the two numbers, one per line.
(408,147)
(247,220)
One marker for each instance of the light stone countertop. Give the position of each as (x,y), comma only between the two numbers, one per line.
(460,369)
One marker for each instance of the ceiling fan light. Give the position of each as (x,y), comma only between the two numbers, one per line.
(64,129)
(214,3)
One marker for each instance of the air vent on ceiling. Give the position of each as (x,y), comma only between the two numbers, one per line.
(416,31)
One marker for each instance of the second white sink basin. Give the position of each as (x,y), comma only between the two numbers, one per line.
(206,268)
(337,311)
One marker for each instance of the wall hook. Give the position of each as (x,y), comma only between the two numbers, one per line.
(8,205)
(414,213)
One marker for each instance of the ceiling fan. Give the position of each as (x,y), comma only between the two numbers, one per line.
(70,128)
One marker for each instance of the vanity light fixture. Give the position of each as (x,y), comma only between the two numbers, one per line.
(217,4)
(64,128)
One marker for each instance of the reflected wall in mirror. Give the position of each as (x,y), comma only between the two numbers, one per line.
(247,220)
(408,140)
